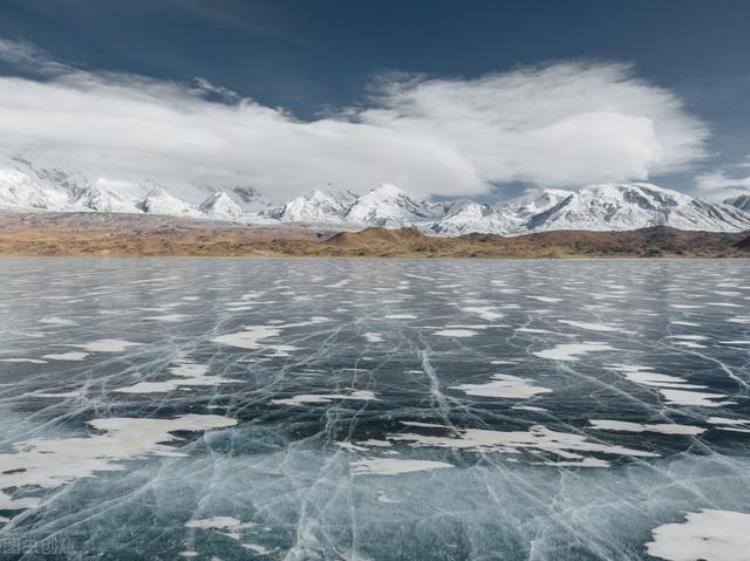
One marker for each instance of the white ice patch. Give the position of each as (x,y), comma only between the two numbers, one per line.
(571,351)
(546,299)
(674,389)
(23,360)
(487,313)
(168,318)
(214,523)
(71,393)
(662,428)
(395,466)
(307,399)
(252,338)
(709,535)
(570,447)
(689,337)
(254,547)
(186,374)
(401,316)
(225,525)
(734,425)
(588,326)
(51,462)
(510,387)
(698,399)
(107,346)
(373,337)
(456,333)
(57,321)
(71,355)
(690,344)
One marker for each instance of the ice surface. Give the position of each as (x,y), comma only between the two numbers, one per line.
(330,409)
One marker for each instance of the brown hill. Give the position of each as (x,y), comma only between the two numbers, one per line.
(99,234)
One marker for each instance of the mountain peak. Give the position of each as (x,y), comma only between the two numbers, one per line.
(741,202)
(159,201)
(220,205)
(601,207)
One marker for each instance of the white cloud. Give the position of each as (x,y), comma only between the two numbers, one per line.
(718,182)
(562,125)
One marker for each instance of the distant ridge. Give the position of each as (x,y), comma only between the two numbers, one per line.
(604,207)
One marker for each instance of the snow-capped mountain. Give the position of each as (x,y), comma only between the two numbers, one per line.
(635,205)
(102,199)
(159,201)
(514,217)
(318,207)
(389,207)
(25,187)
(221,206)
(741,202)
(465,217)
(624,206)
(249,199)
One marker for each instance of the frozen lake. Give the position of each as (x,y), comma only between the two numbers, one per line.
(374,409)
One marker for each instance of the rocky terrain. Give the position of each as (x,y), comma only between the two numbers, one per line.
(126,235)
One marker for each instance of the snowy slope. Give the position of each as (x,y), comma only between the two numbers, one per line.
(100,198)
(159,201)
(21,186)
(388,206)
(636,205)
(741,202)
(249,199)
(220,206)
(318,207)
(466,217)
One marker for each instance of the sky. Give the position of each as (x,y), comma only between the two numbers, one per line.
(442,98)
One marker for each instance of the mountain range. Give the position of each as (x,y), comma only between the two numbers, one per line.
(605,207)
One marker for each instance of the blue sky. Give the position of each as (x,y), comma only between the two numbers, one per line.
(342,62)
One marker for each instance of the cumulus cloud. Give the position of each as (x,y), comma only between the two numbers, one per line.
(565,124)
(560,125)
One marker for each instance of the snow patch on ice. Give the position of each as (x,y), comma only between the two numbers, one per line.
(709,535)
